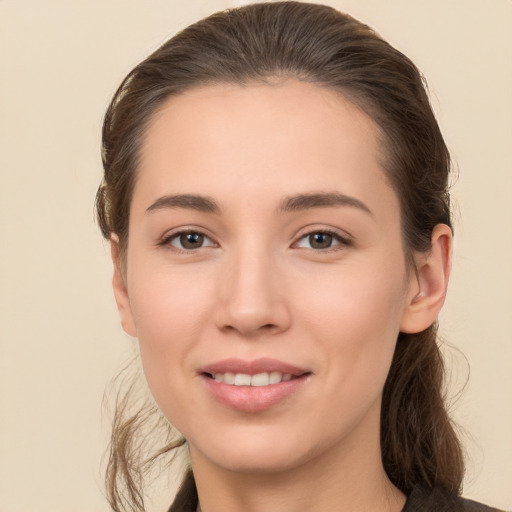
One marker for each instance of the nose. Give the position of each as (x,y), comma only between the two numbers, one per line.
(253,301)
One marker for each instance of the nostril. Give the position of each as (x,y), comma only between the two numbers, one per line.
(251,320)
(249,329)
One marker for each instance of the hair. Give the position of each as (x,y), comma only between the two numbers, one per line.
(317,44)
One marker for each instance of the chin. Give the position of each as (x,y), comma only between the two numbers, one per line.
(257,452)
(261,463)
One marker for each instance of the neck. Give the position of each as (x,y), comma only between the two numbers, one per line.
(349,478)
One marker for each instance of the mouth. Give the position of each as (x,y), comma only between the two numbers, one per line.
(258,372)
(253,386)
(258,380)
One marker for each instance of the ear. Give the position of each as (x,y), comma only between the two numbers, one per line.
(120,290)
(428,286)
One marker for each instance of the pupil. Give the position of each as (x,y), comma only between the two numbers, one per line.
(191,240)
(320,240)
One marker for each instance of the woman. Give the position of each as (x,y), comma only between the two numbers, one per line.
(276,197)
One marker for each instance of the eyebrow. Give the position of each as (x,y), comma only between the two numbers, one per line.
(321,200)
(294,203)
(188,201)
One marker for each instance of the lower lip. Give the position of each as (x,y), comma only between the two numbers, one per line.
(253,398)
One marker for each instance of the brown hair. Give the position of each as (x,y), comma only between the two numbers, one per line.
(316,44)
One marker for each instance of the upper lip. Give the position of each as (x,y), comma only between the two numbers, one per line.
(262,365)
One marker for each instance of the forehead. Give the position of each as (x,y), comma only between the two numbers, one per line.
(236,141)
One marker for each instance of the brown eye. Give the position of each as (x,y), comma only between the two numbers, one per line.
(189,241)
(320,240)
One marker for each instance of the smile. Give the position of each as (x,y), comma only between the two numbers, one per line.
(252,399)
(253,386)
(258,380)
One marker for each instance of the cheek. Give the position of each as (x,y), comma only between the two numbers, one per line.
(355,316)
(354,300)
(167,299)
(169,308)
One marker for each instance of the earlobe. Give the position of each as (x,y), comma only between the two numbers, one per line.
(120,290)
(429,284)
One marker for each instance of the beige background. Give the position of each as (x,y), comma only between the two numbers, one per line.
(60,61)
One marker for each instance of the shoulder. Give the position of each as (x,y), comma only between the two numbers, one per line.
(423,499)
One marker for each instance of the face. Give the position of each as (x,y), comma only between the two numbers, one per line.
(266,280)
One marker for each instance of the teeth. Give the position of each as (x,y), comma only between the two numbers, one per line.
(258,380)
(229,378)
(276,377)
(242,379)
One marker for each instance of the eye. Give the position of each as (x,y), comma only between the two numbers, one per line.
(188,240)
(321,240)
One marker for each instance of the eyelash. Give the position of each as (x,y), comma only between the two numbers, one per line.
(342,241)
(167,240)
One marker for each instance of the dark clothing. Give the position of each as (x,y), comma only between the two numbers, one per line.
(186,500)
(438,500)
(420,500)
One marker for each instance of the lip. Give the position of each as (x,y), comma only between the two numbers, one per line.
(253,399)
(253,367)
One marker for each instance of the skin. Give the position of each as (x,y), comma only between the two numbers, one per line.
(257,287)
